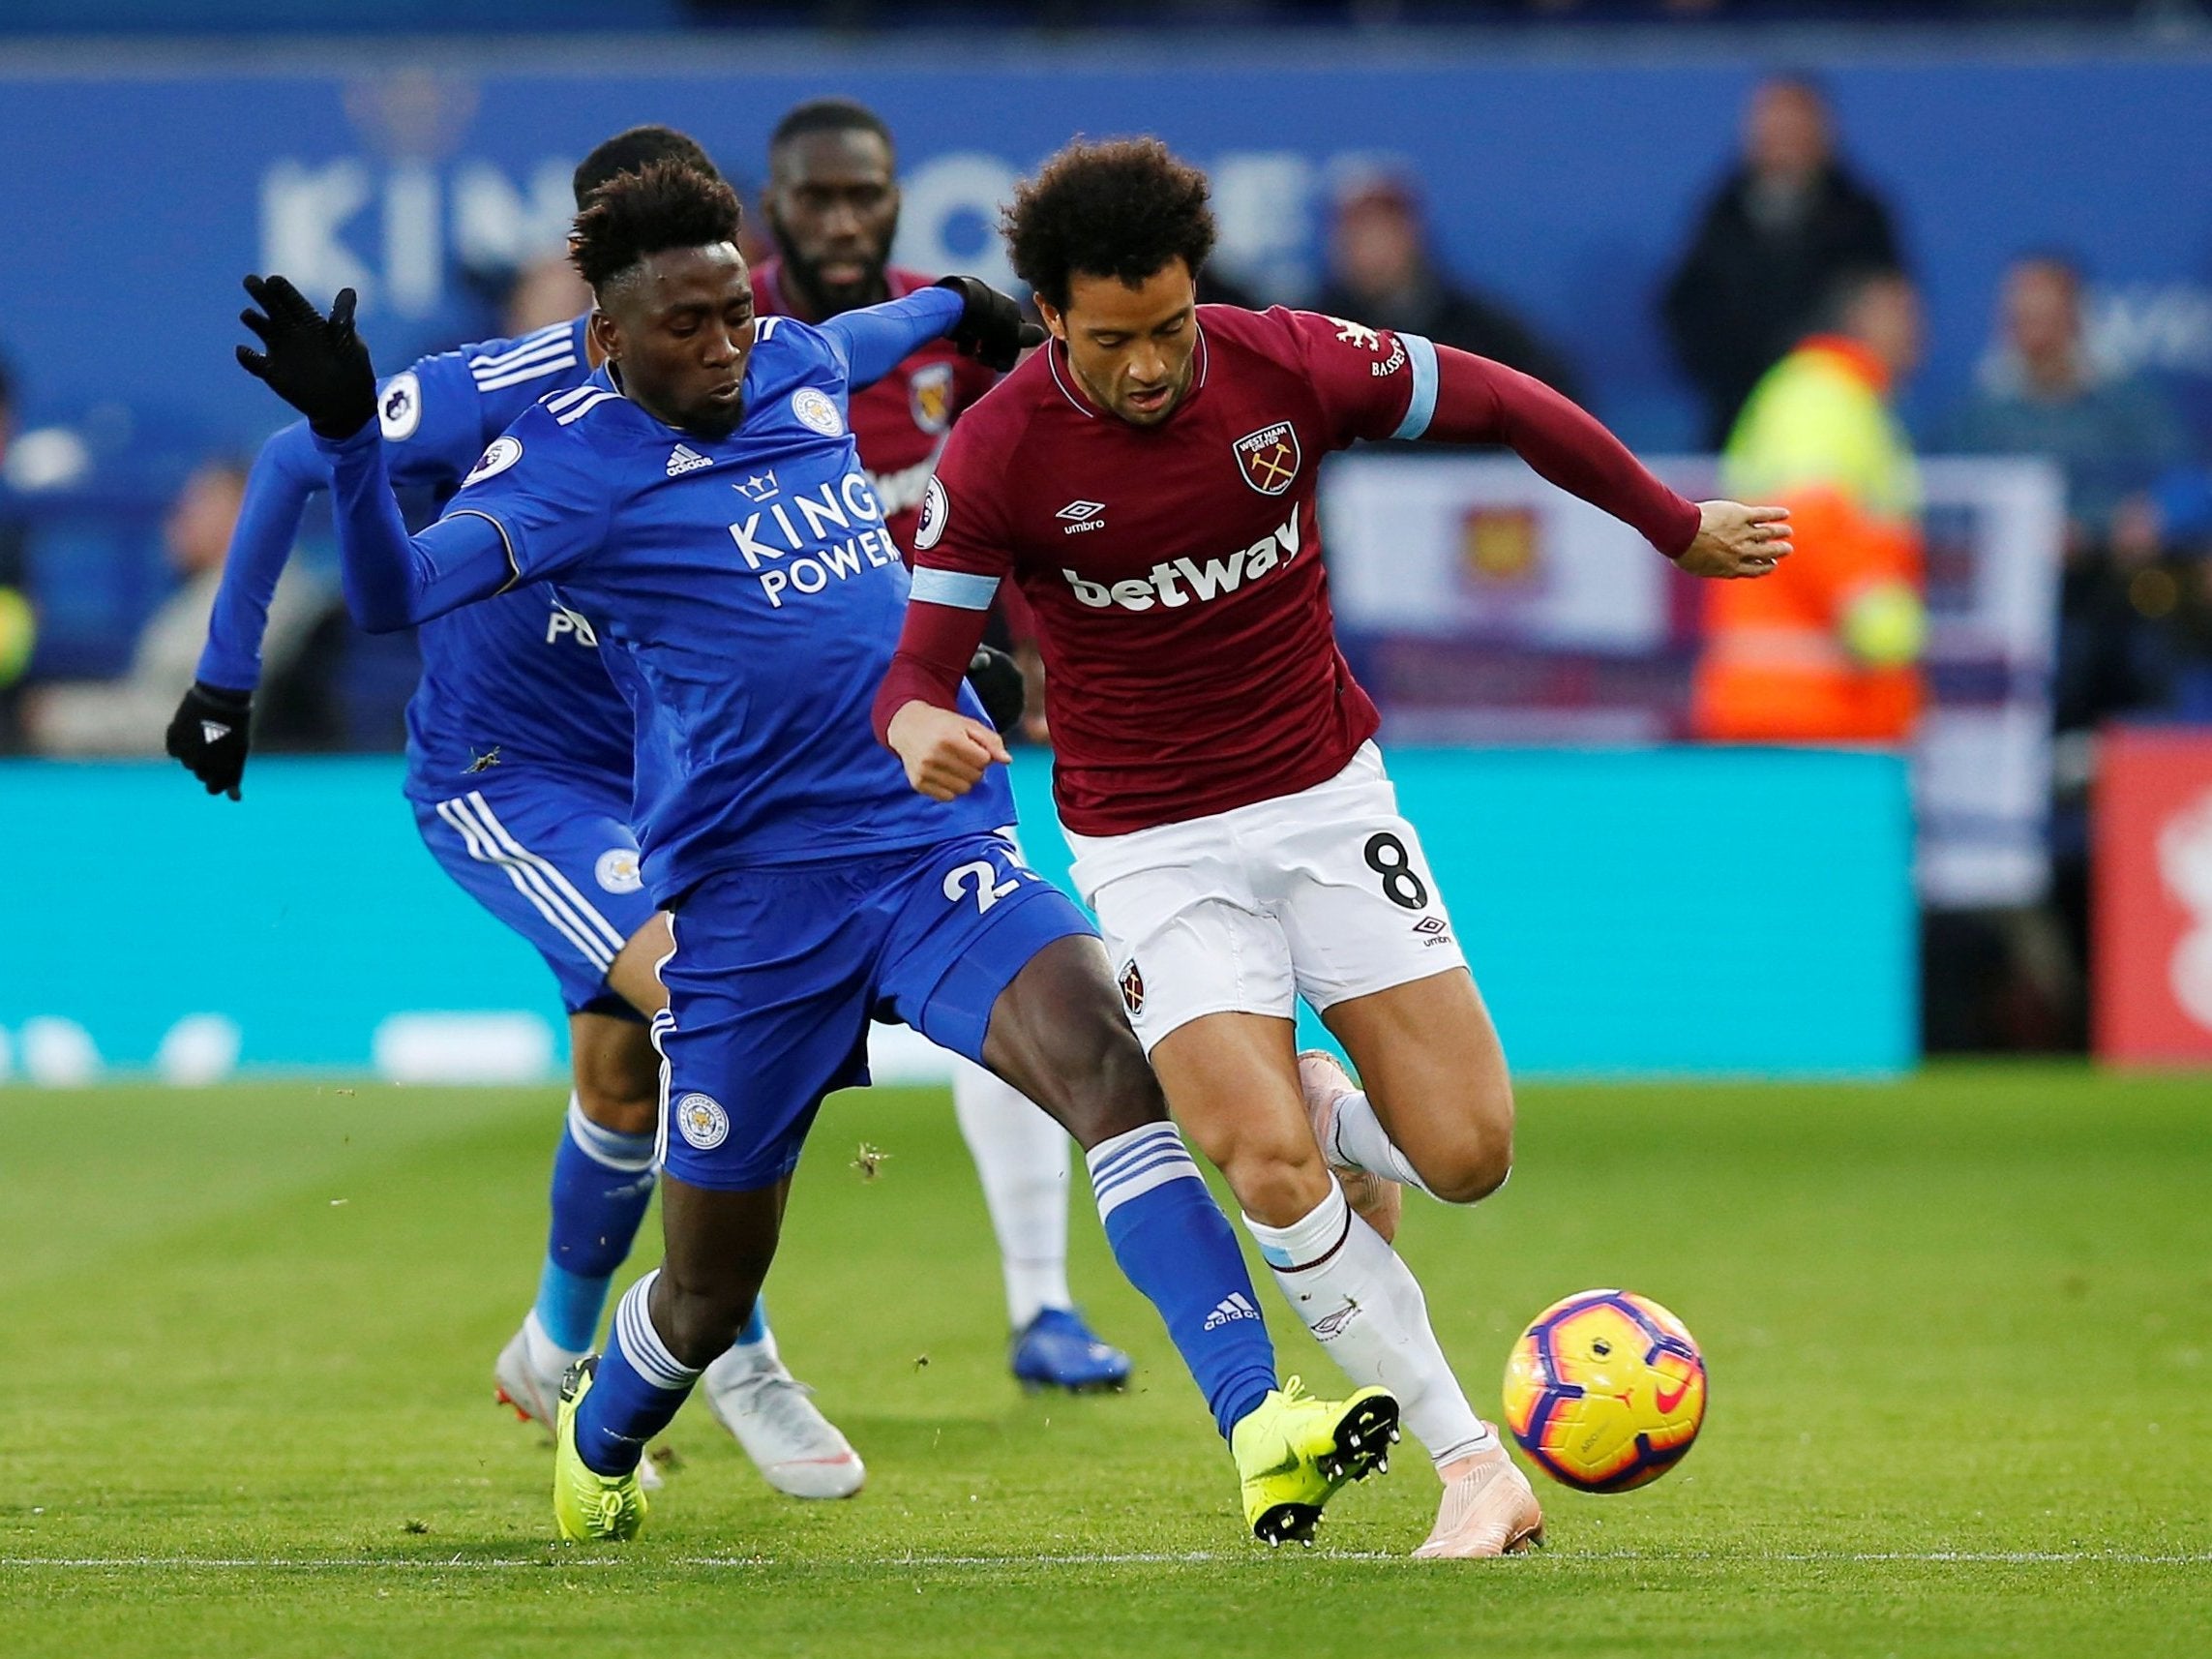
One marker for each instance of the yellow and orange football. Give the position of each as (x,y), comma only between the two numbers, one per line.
(1605,1391)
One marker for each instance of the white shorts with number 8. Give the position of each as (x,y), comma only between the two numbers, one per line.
(1323,894)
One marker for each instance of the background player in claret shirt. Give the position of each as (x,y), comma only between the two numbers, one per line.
(518,765)
(810,890)
(832,206)
(1149,480)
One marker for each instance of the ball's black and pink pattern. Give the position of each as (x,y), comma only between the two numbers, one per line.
(1605,1391)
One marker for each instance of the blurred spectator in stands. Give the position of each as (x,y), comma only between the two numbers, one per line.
(19,624)
(1381,271)
(545,291)
(128,716)
(1783,228)
(2130,617)
(1828,648)
(2112,436)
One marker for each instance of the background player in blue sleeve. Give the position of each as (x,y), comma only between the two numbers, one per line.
(700,502)
(519,763)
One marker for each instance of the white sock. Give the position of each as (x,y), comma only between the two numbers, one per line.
(547,1357)
(1361,1141)
(1021,1155)
(1362,1302)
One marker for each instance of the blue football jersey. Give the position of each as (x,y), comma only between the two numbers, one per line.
(516,679)
(747,600)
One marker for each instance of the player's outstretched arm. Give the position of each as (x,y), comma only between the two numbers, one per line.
(979,319)
(208,733)
(1481,402)
(320,366)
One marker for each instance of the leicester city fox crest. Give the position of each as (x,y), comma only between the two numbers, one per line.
(1269,458)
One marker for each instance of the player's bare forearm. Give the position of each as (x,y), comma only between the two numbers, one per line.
(945,752)
(1734,540)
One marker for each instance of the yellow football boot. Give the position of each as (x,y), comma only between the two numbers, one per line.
(589,1507)
(1293,1451)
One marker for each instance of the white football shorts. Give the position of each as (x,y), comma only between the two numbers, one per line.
(1324,894)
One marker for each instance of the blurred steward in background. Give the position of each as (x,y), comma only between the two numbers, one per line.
(1826,648)
(1783,227)
(1383,272)
(18,623)
(128,716)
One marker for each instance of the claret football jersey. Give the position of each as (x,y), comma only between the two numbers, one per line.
(1174,571)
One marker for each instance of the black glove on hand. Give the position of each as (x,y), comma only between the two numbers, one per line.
(997,682)
(317,365)
(991,329)
(209,735)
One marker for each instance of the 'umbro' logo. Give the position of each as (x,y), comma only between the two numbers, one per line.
(1082,515)
(684,459)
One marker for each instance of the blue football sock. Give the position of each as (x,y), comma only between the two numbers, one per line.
(756,1331)
(1175,1245)
(602,1184)
(636,1391)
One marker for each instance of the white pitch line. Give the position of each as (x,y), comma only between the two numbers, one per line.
(1194,1557)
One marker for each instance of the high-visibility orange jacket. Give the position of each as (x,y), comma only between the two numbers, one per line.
(1826,648)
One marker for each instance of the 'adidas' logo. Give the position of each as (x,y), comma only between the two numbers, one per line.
(684,459)
(1229,1309)
(213,731)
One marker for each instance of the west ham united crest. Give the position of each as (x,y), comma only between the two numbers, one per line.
(1132,987)
(929,393)
(1269,458)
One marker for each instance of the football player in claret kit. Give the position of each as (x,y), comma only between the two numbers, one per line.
(1148,481)
(833,208)
(809,889)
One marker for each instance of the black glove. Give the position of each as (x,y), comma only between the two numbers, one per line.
(991,329)
(209,735)
(318,366)
(997,682)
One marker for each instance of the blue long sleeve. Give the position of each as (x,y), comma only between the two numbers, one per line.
(393,580)
(284,474)
(878,338)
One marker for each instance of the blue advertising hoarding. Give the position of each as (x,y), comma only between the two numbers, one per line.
(1565,183)
(1625,911)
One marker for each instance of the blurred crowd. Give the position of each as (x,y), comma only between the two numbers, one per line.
(1791,286)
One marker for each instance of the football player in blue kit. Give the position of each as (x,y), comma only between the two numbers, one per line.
(700,503)
(519,768)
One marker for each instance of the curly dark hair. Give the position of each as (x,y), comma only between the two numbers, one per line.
(664,205)
(627,152)
(1125,209)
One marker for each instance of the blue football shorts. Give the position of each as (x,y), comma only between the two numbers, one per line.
(777,972)
(552,855)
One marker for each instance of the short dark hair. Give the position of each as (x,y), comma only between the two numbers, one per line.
(631,216)
(828,116)
(1124,208)
(635,150)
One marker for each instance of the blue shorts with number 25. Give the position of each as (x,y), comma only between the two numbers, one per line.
(777,972)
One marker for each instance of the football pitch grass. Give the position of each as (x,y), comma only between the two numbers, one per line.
(1959,1331)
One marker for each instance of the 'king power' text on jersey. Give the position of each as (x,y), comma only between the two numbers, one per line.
(1175,571)
(746,598)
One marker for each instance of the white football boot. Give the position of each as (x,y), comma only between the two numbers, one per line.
(798,1450)
(1375,1199)
(1488,1509)
(534,1395)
